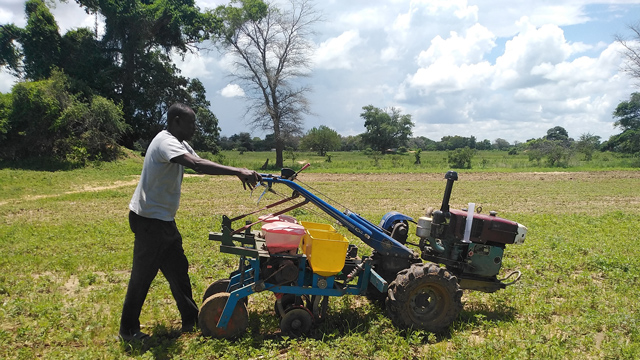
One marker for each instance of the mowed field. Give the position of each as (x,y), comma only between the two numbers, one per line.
(66,255)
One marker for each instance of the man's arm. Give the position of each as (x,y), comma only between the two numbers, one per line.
(248,177)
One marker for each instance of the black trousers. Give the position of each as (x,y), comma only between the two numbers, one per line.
(158,246)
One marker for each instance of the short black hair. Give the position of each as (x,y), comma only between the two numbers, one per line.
(178,110)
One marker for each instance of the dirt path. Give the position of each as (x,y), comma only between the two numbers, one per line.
(115,185)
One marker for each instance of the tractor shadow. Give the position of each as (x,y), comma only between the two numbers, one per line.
(347,317)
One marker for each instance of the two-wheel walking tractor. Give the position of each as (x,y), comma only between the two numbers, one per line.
(457,250)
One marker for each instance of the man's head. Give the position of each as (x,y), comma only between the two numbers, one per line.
(181,121)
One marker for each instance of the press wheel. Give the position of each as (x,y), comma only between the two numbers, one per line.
(219,286)
(216,287)
(296,322)
(211,311)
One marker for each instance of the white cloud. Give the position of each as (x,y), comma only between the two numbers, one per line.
(454,63)
(459,50)
(232,90)
(529,49)
(535,84)
(6,16)
(194,65)
(367,18)
(418,21)
(500,16)
(335,52)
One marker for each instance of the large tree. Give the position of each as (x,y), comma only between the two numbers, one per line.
(321,140)
(130,65)
(39,51)
(557,147)
(632,50)
(386,128)
(628,119)
(588,144)
(140,38)
(41,44)
(628,113)
(272,51)
(557,133)
(456,142)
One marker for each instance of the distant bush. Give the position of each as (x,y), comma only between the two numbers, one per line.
(556,152)
(460,158)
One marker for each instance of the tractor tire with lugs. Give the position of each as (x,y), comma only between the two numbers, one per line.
(424,296)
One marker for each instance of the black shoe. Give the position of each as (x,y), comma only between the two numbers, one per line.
(137,336)
(188,328)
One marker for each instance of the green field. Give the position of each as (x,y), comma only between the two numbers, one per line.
(66,256)
(430,161)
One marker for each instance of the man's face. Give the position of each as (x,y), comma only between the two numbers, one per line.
(188,126)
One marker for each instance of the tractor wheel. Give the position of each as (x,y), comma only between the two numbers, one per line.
(217,287)
(296,322)
(424,296)
(211,311)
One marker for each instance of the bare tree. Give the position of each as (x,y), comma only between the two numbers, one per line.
(631,51)
(271,53)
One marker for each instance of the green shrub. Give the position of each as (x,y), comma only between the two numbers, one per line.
(42,119)
(460,158)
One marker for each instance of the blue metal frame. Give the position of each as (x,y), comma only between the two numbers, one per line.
(305,286)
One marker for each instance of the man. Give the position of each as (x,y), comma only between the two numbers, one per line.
(158,243)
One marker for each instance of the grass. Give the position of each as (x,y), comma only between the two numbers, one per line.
(66,254)
(431,161)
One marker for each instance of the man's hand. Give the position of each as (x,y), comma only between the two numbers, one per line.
(249,178)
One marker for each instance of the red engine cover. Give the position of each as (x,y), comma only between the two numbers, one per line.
(485,228)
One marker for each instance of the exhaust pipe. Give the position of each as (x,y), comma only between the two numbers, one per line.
(440,216)
(450,176)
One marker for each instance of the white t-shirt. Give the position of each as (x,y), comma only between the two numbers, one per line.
(158,193)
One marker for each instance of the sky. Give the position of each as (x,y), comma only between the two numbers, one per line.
(492,69)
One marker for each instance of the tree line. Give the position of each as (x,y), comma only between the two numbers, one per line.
(389,131)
